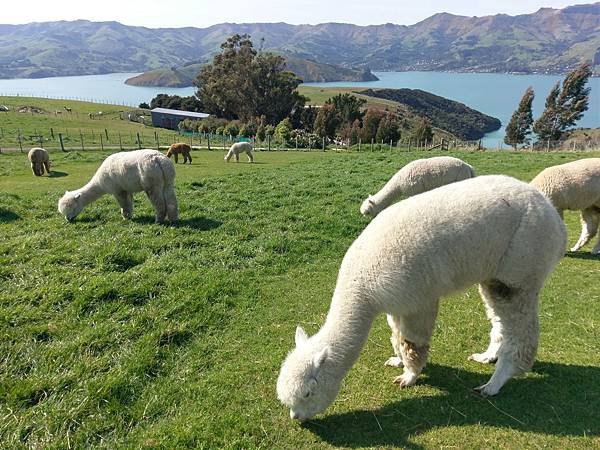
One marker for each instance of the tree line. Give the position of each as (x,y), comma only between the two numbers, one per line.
(564,106)
(250,93)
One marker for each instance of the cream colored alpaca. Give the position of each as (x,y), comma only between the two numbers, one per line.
(418,176)
(122,174)
(575,186)
(237,148)
(40,160)
(491,230)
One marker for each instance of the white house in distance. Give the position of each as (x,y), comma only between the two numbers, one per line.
(170,118)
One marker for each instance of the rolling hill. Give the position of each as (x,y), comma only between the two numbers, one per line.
(547,41)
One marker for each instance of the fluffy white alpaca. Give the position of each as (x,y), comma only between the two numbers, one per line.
(575,186)
(416,177)
(122,174)
(40,160)
(237,148)
(491,230)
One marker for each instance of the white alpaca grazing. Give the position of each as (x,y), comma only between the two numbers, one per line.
(415,178)
(40,160)
(122,174)
(575,186)
(237,148)
(491,230)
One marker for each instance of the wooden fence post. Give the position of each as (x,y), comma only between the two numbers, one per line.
(139,141)
(81,137)
(101,142)
(106,134)
(120,142)
(208,141)
(52,133)
(62,145)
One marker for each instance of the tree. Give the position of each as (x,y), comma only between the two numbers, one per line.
(241,83)
(370,125)
(326,122)
(176,102)
(519,127)
(564,107)
(388,129)
(144,105)
(423,131)
(348,107)
(283,130)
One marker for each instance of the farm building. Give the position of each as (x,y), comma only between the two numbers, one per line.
(170,118)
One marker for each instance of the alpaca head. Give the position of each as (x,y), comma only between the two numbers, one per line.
(70,205)
(228,156)
(306,383)
(368,207)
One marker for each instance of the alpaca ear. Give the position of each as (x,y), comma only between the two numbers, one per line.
(66,192)
(320,357)
(301,336)
(78,195)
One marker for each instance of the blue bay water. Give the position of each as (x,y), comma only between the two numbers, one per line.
(493,94)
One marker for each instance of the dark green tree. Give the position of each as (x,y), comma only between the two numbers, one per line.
(423,132)
(388,129)
(241,83)
(327,121)
(144,105)
(370,124)
(348,107)
(519,127)
(564,107)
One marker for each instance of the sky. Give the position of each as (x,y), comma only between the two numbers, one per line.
(203,13)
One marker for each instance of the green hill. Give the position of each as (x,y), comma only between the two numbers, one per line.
(547,41)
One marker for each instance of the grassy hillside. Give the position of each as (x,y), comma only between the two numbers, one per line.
(119,334)
(39,116)
(450,118)
(549,40)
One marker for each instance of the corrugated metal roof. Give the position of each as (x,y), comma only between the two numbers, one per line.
(176,112)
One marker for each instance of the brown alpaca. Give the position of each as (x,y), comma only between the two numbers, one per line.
(182,148)
(39,159)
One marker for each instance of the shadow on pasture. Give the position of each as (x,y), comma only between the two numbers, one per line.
(7,215)
(57,174)
(557,399)
(582,255)
(196,223)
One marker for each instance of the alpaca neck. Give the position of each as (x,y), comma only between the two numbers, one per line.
(388,193)
(346,330)
(90,193)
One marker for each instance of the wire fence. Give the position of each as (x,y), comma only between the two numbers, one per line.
(78,139)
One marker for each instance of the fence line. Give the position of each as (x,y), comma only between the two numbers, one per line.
(79,99)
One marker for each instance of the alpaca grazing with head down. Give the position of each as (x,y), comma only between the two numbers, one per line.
(40,160)
(237,148)
(575,186)
(491,230)
(122,174)
(178,148)
(416,177)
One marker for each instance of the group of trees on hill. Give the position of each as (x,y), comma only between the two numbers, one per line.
(564,107)
(250,93)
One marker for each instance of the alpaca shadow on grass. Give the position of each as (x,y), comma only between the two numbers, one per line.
(556,399)
(196,223)
(57,174)
(582,255)
(7,215)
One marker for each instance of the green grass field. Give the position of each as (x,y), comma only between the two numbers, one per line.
(117,334)
(47,117)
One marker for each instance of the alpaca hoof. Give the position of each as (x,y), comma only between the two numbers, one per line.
(405,380)
(483,358)
(574,249)
(394,361)
(487,390)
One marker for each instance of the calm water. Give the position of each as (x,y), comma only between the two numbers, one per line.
(493,94)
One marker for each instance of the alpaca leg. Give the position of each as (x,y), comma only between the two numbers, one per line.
(171,201)
(47,166)
(188,157)
(237,157)
(396,360)
(158,201)
(250,157)
(414,334)
(491,354)
(517,312)
(176,157)
(589,227)
(125,200)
